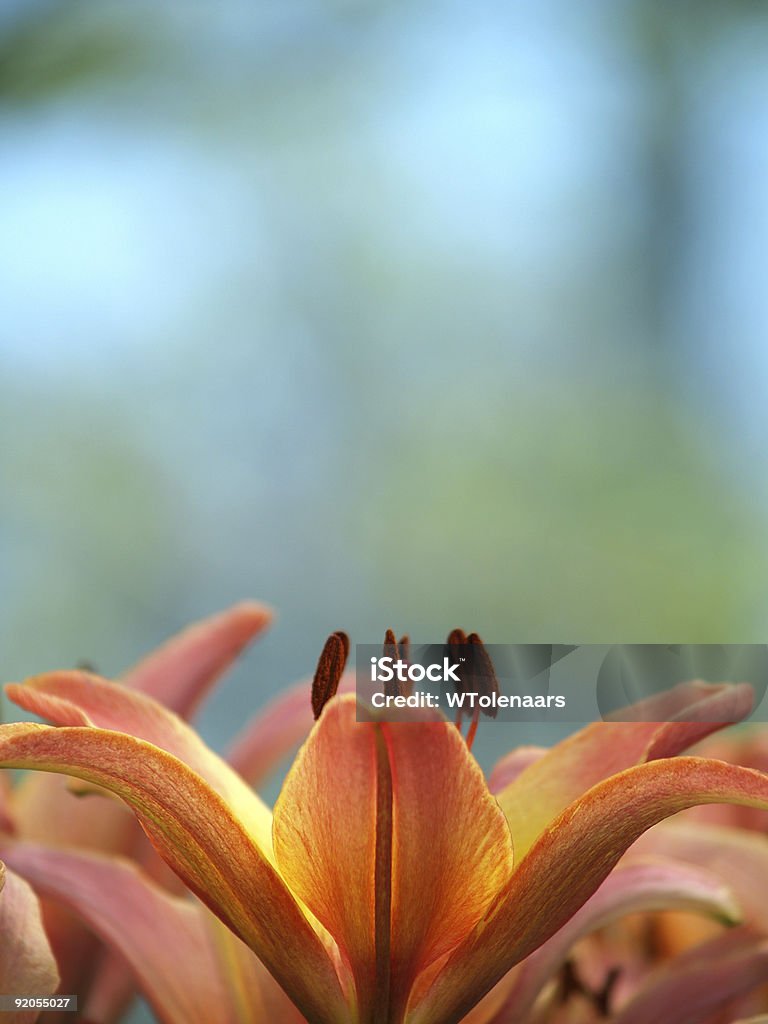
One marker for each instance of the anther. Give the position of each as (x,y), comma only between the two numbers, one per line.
(330,667)
(476,674)
(457,638)
(405,648)
(604,997)
(394,688)
(482,672)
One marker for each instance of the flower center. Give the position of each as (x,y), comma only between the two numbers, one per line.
(475,671)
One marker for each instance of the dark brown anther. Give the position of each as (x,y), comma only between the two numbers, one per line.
(570,983)
(457,638)
(330,667)
(390,645)
(405,648)
(604,997)
(481,672)
(395,687)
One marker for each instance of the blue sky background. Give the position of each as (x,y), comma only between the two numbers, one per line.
(389,314)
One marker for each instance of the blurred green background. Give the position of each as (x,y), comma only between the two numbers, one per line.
(416,314)
(408,314)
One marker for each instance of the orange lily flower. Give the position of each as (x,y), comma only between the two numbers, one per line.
(384,889)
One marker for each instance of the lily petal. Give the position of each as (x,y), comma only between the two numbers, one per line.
(534,798)
(256,992)
(272,734)
(180,673)
(162,937)
(112,988)
(568,862)
(73,698)
(252,994)
(203,841)
(739,857)
(26,965)
(641,887)
(513,764)
(188,965)
(703,983)
(378,823)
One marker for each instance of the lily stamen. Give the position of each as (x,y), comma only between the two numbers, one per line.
(572,984)
(330,667)
(457,638)
(477,675)
(395,687)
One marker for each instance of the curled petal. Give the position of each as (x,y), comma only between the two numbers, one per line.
(641,887)
(26,962)
(180,673)
(74,698)
(539,793)
(203,840)
(748,747)
(389,835)
(568,862)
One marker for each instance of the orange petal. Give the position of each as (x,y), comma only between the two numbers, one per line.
(204,842)
(180,673)
(568,862)
(534,798)
(379,823)
(27,966)
(77,698)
